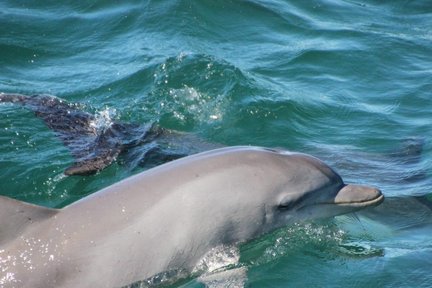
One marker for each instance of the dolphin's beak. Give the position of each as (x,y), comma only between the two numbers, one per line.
(358,196)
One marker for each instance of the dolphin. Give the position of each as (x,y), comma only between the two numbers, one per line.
(168,217)
(94,146)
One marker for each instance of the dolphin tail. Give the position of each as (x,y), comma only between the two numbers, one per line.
(93,148)
(17,216)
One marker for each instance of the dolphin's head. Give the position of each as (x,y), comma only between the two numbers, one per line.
(312,190)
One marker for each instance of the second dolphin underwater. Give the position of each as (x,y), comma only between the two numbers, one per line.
(167,218)
(94,146)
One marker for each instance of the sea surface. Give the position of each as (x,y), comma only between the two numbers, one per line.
(347,81)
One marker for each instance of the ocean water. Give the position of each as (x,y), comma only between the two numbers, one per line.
(347,81)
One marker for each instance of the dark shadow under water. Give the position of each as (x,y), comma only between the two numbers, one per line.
(96,143)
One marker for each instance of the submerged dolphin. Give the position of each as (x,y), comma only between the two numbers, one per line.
(168,217)
(94,147)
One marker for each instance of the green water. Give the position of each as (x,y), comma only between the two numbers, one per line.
(347,81)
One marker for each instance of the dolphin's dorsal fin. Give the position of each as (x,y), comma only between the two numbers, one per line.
(92,149)
(17,216)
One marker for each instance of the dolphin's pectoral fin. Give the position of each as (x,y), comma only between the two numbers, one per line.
(16,216)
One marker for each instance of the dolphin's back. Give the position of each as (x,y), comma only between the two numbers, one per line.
(17,216)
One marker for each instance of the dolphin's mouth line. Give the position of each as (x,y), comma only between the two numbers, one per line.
(359,204)
(371,202)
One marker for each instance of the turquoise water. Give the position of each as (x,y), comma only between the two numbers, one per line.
(347,81)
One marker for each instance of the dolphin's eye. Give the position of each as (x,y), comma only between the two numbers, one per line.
(290,202)
(287,206)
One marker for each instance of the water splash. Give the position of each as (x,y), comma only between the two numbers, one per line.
(218,258)
(103,119)
(220,268)
(320,239)
(193,89)
(161,279)
(193,103)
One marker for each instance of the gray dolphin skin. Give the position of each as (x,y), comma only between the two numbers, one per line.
(168,217)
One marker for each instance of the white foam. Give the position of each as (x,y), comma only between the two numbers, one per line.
(218,258)
(103,119)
